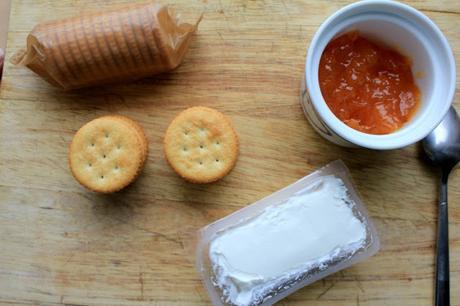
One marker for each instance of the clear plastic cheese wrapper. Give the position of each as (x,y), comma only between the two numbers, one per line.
(123,44)
(292,238)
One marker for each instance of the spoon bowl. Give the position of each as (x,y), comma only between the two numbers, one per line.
(442,145)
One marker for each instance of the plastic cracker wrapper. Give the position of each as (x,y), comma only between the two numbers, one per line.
(124,44)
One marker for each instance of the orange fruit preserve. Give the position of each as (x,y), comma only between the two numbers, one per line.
(367,86)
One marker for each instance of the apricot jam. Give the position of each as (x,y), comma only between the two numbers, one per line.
(367,86)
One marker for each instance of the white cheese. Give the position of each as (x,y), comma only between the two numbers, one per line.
(284,241)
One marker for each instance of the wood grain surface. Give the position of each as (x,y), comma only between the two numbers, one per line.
(61,244)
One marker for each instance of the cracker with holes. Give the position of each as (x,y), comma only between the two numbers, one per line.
(108,153)
(201,145)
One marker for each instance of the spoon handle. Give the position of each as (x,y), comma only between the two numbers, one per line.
(442,293)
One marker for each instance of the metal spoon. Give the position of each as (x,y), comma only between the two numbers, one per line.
(442,146)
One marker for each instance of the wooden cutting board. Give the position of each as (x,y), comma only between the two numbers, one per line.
(61,244)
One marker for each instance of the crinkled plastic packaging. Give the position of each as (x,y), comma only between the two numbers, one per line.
(300,278)
(123,44)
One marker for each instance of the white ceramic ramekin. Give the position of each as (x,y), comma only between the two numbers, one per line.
(408,31)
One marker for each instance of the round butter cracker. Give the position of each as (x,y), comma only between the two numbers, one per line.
(201,145)
(108,153)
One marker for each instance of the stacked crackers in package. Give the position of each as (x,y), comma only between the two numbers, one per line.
(120,45)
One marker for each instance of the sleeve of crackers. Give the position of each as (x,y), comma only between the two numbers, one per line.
(124,44)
